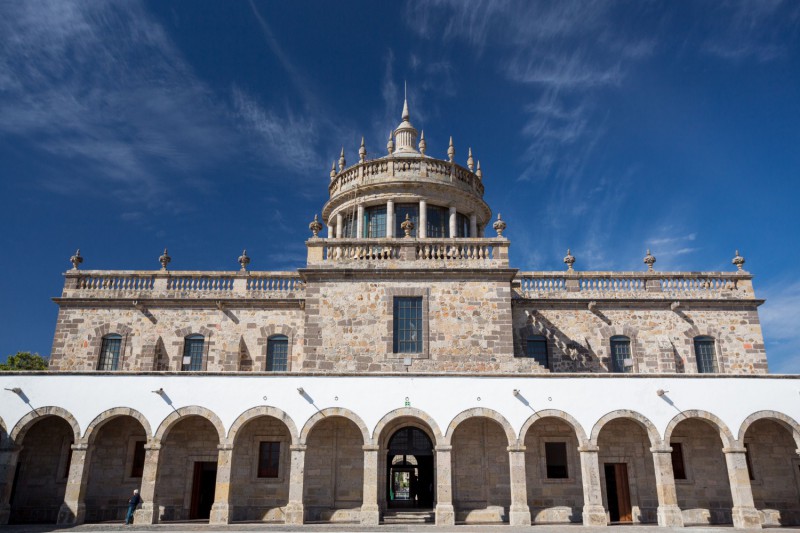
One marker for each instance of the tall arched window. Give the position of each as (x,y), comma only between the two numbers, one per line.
(537,349)
(109,352)
(621,354)
(278,353)
(706,355)
(193,348)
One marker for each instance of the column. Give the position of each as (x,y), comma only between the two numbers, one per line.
(520,513)
(221,511)
(73,510)
(294,509)
(473,226)
(360,222)
(593,512)
(422,228)
(339,226)
(745,514)
(390,219)
(453,219)
(669,514)
(445,513)
(9,455)
(370,512)
(148,513)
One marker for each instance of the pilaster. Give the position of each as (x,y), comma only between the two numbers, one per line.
(669,514)
(422,229)
(520,513)
(360,222)
(73,510)
(445,513)
(390,219)
(745,514)
(453,219)
(370,512)
(148,513)
(594,514)
(294,509)
(221,510)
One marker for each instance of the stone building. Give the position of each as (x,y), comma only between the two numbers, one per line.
(407,372)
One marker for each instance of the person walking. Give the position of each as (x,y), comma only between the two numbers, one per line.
(133,502)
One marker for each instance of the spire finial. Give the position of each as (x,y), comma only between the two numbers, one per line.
(164,259)
(244,260)
(451,151)
(315,226)
(390,144)
(333,169)
(649,260)
(422,144)
(362,152)
(470,161)
(342,162)
(738,260)
(479,172)
(405,108)
(76,259)
(569,260)
(499,226)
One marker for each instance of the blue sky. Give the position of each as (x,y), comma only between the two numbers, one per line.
(208,127)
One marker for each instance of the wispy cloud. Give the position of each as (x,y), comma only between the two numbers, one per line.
(780,318)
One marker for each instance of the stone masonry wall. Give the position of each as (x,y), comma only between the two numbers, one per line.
(190,440)
(254,498)
(110,483)
(705,496)
(624,441)
(776,472)
(661,339)
(42,479)
(553,500)
(334,471)
(481,478)
(232,336)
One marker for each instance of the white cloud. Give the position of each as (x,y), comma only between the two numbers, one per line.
(780,319)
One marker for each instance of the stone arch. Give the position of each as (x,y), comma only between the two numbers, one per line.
(724,433)
(481,412)
(95,342)
(109,414)
(786,421)
(331,412)
(270,330)
(263,410)
(26,422)
(626,330)
(554,413)
(175,416)
(407,412)
(643,421)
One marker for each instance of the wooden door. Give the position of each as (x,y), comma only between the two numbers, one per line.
(618,492)
(204,484)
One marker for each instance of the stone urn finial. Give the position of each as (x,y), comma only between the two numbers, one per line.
(333,170)
(649,260)
(451,150)
(407,226)
(738,261)
(315,226)
(470,161)
(244,260)
(76,260)
(569,260)
(390,144)
(479,172)
(342,162)
(164,260)
(362,152)
(499,225)
(422,144)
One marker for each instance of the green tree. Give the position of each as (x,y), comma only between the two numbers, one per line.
(25,361)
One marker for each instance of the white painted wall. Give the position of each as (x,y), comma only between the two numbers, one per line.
(587,399)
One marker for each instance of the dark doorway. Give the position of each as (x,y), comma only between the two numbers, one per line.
(203,486)
(618,493)
(410,472)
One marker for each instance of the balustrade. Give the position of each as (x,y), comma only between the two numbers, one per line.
(424,253)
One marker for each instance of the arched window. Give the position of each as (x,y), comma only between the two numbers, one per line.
(193,348)
(375,222)
(109,352)
(706,355)
(621,359)
(277,353)
(537,349)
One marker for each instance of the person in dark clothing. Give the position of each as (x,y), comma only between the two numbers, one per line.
(133,503)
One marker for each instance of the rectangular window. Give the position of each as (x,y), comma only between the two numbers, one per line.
(620,352)
(109,353)
(556,460)
(462,226)
(537,349)
(193,353)
(407,327)
(349,225)
(375,222)
(438,224)
(277,354)
(678,467)
(706,356)
(269,456)
(137,465)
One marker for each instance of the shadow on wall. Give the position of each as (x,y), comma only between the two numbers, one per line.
(578,358)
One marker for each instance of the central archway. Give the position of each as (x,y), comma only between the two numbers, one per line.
(410,482)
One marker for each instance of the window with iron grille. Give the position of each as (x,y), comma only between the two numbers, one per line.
(537,350)
(556,459)
(269,459)
(109,352)
(193,347)
(277,353)
(375,222)
(706,355)
(407,328)
(438,222)
(400,212)
(620,351)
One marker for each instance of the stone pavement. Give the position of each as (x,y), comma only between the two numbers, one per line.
(353,528)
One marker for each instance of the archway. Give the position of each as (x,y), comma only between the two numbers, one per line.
(410,479)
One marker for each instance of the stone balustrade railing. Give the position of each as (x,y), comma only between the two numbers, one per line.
(143,285)
(408,252)
(422,168)
(621,285)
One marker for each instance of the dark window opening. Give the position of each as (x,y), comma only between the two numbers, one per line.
(193,353)
(556,460)
(706,355)
(109,352)
(537,350)
(277,353)
(137,465)
(269,458)
(375,222)
(620,353)
(678,466)
(407,317)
